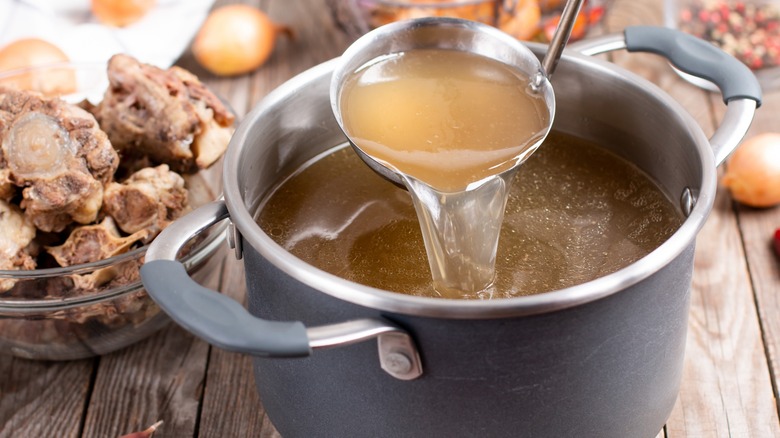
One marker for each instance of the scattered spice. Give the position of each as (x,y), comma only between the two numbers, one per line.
(146,433)
(748,31)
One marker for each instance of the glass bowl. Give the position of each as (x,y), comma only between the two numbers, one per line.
(749,30)
(524,19)
(48,314)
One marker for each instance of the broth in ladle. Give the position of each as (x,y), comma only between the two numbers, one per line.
(444,117)
(453,125)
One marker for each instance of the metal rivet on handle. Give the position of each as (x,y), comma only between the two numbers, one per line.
(234,241)
(398,356)
(687,201)
(398,363)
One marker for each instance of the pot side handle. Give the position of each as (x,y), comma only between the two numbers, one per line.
(223,322)
(739,86)
(218,319)
(214,317)
(697,57)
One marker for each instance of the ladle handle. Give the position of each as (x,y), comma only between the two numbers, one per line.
(739,86)
(223,322)
(561,36)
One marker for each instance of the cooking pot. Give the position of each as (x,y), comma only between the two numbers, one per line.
(600,359)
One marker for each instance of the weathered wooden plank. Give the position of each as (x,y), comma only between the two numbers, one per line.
(43,399)
(229,381)
(726,385)
(315,40)
(160,378)
(757,227)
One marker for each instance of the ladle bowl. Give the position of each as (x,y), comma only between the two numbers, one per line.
(436,33)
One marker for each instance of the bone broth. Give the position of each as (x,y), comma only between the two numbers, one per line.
(575,212)
(453,125)
(444,117)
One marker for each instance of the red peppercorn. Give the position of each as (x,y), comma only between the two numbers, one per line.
(724,11)
(749,31)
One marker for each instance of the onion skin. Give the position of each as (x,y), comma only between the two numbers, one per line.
(235,39)
(32,52)
(120,13)
(753,171)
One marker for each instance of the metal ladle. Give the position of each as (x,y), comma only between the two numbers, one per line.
(452,34)
(561,36)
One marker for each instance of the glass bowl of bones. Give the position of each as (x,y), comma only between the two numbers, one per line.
(95,160)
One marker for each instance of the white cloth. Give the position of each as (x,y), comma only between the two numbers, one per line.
(158,38)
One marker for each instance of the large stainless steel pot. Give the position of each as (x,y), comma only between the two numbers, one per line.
(600,359)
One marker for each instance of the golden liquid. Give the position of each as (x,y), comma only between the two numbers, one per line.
(576,212)
(445,117)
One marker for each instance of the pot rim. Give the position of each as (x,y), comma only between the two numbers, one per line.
(468,309)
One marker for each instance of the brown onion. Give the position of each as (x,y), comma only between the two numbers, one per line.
(235,39)
(120,13)
(33,52)
(753,171)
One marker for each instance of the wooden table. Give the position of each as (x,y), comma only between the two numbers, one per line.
(729,383)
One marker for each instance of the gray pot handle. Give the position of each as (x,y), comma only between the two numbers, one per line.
(223,322)
(739,86)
